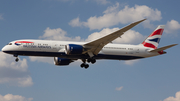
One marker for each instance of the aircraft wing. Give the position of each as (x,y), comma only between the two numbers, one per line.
(94,47)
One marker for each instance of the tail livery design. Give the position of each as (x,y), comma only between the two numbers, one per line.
(153,39)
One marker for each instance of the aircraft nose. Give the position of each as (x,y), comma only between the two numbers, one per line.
(7,49)
(4,49)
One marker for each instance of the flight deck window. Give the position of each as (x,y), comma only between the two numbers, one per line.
(10,44)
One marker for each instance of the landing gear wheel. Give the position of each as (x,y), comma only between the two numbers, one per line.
(84,65)
(93,61)
(16,55)
(88,60)
(16,59)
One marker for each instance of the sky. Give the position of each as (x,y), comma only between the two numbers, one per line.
(38,79)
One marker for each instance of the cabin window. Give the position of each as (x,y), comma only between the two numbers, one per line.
(62,45)
(130,48)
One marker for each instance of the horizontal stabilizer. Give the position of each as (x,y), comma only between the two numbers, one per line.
(163,48)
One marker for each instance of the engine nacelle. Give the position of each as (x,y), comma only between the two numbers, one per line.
(72,49)
(61,61)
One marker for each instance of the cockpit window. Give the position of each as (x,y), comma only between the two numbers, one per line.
(10,44)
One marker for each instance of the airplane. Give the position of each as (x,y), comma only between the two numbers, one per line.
(66,52)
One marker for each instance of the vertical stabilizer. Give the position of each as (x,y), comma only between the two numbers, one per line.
(152,41)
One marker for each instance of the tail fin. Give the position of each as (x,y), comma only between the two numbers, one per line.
(152,41)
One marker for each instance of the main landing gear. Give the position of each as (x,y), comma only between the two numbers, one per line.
(85,65)
(91,60)
(17,59)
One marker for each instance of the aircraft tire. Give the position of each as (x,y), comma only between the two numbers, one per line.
(93,61)
(16,59)
(82,65)
(88,60)
(86,66)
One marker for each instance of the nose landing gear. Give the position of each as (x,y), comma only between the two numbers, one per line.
(17,59)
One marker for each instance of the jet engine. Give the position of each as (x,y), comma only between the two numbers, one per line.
(61,61)
(72,49)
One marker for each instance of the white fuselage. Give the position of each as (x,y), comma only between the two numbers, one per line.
(57,49)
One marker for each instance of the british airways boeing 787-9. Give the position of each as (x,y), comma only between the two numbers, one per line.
(65,52)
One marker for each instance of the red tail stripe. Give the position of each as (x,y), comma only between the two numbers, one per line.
(149,45)
(157,32)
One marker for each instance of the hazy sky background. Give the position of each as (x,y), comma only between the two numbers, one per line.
(38,79)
